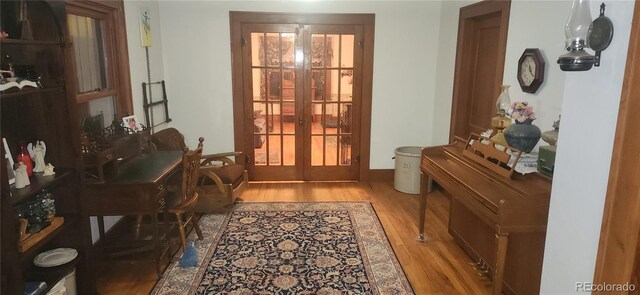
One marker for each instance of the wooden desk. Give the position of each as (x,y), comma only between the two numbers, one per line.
(139,188)
(500,222)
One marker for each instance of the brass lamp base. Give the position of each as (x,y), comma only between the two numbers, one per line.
(499,123)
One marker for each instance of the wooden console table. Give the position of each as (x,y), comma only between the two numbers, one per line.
(500,222)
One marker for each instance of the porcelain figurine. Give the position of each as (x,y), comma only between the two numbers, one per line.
(48,170)
(22,179)
(23,156)
(37,153)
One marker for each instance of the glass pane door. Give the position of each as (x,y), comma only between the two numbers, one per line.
(301,101)
(332,64)
(332,95)
(274,80)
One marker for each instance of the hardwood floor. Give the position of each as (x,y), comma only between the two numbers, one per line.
(438,266)
(327,151)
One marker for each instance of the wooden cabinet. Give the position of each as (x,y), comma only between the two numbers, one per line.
(500,222)
(44,113)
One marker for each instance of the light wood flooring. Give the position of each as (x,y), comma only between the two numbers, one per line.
(438,266)
(325,150)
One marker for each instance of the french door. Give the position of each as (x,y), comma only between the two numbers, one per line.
(302,100)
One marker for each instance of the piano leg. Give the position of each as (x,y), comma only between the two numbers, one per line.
(426,185)
(498,276)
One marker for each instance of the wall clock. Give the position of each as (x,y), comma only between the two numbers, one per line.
(530,70)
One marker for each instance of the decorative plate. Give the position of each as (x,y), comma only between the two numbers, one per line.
(55,257)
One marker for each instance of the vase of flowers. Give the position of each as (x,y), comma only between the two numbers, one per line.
(522,135)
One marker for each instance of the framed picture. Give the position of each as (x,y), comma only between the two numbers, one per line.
(9,160)
(131,123)
(145,26)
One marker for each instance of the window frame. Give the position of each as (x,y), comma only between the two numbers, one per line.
(116,53)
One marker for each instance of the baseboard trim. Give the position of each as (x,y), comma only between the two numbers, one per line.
(381,174)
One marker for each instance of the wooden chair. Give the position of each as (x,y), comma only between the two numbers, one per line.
(221,182)
(183,202)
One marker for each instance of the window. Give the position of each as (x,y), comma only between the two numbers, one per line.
(97,35)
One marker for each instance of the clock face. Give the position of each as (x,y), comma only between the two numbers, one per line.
(528,71)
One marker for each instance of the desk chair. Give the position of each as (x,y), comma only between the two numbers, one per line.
(221,181)
(182,204)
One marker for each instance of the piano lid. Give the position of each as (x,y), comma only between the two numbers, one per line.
(487,186)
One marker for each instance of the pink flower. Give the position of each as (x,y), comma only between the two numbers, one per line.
(521,112)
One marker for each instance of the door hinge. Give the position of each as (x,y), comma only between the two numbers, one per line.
(357,159)
(243,41)
(361,44)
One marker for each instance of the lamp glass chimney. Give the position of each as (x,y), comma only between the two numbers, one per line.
(577,26)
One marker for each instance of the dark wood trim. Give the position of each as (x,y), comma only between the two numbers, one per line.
(381,174)
(306,18)
(367,94)
(236,20)
(122,52)
(619,247)
(467,14)
(87,97)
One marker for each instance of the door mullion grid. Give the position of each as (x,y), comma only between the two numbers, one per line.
(281,72)
(339,100)
(326,65)
(324,132)
(301,65)
(266,97)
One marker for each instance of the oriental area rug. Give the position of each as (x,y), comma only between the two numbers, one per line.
(290,248)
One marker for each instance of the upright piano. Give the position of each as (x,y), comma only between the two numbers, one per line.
(500,222)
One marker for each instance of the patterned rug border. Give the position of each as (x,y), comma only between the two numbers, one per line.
(396,262)
(291,206)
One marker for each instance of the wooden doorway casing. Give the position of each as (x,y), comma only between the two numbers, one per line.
(618,260)
(367,21)
(480,55)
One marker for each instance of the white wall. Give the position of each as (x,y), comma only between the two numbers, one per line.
(447,42)
(137,55)
(526,30)
(589,116)
(198,68)
(138,68)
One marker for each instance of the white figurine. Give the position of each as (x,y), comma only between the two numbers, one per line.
(37,153)
(22,179)
(48,170)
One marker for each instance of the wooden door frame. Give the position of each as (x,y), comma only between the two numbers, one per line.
(618,249)
(467,15)
(237,18)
